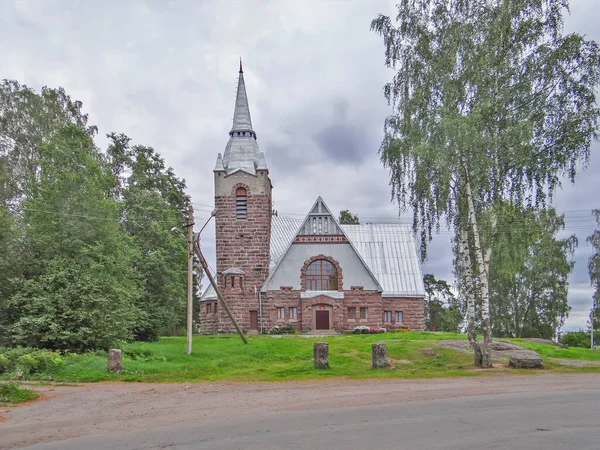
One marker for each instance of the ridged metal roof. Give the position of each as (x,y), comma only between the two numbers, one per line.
(389,251)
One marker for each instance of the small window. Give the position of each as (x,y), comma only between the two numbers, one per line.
(387,316)
(232,281)
(294,313)
(215,307)
(281,313)
(398,316)
(352,313)
(241,203)
(208,308)
(364,312)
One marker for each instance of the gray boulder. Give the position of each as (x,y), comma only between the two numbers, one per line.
(525,360)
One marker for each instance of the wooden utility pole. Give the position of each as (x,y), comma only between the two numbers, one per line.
(190,286)
(204,265)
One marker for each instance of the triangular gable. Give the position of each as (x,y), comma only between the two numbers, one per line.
(320,227)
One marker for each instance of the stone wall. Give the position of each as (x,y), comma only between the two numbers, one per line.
(413,312)
(242,244)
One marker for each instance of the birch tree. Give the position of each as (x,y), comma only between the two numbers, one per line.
(492,103)
(594,270)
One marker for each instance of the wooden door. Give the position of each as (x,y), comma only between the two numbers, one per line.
(322,319)
(254,320)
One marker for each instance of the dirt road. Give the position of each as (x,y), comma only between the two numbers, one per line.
(106,408)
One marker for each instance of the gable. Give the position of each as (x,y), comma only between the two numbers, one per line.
(319,233)
(388,249)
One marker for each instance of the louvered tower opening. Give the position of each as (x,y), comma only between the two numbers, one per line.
(241,204)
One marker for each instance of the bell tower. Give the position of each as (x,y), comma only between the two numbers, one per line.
(243,221)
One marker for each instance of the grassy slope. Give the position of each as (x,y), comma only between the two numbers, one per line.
(226,358)
(550,351)
(11,393)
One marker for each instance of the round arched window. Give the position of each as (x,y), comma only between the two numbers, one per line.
(321,275)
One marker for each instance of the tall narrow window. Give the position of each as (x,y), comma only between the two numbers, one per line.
(352,312)
(364,312)
(280,313)
(398,316)
(293,313)
(387,316)
(241,203)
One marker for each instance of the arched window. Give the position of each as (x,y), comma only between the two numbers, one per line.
(241,203)
(321,275)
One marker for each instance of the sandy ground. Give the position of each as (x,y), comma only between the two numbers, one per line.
(102,408)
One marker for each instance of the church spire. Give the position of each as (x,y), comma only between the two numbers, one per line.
(242,152)
(241,114)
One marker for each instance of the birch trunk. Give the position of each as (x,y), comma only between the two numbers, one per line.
(470,296)
(482,278)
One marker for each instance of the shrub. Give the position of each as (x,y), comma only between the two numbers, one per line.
(135,353)
(4,363)
(361,329)
(287,329)
(576,339)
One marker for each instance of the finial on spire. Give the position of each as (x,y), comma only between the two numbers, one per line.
(241,71)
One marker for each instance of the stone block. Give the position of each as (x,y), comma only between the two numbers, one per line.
(526,360)
(115,360)
(321,350)
(380,356)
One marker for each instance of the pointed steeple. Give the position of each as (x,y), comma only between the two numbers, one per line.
(241,114)
(242,152)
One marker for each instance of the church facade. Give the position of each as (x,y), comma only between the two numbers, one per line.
(316,274)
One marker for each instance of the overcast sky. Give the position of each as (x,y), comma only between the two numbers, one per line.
(165,73)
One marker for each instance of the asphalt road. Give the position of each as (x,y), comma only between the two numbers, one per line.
(552,420)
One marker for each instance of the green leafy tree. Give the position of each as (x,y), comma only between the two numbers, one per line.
(529,273)
(492,104)
(347,218)
(27,120)
(153,201)
(81,294)
(443,310)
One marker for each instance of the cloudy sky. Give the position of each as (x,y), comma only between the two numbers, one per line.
(165,72)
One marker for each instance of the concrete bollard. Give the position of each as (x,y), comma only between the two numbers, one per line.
(380,356)
(115,360)
(321,355)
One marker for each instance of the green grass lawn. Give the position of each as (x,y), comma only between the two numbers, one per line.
(285,358)
(550,351)
(12,393)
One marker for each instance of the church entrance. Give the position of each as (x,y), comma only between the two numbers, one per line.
(322,320)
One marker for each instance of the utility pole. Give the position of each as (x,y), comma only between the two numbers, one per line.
(206,269)
(190,286)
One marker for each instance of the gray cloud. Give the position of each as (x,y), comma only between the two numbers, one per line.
(164,73)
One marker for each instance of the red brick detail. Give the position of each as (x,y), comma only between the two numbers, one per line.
(309,261)
(305,239)
(413,312)
(240,185)
(286,288)
(244,244)
(209,321)
(357,288)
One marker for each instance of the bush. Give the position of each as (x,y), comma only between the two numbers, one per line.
(135,353)
(287,329)
(361,329)
(576,339)
(4,363)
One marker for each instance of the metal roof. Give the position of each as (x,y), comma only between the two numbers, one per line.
(209,293)
(389,251)
(242,152)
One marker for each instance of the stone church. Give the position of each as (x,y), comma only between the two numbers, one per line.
(314,273)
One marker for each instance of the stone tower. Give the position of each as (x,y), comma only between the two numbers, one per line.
(243,220)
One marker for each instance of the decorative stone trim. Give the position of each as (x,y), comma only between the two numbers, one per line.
(305,239)
(241,185)
(286,288)
(357,288)
(313,294)
(309,261)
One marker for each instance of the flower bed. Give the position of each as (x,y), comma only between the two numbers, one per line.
(362,329)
